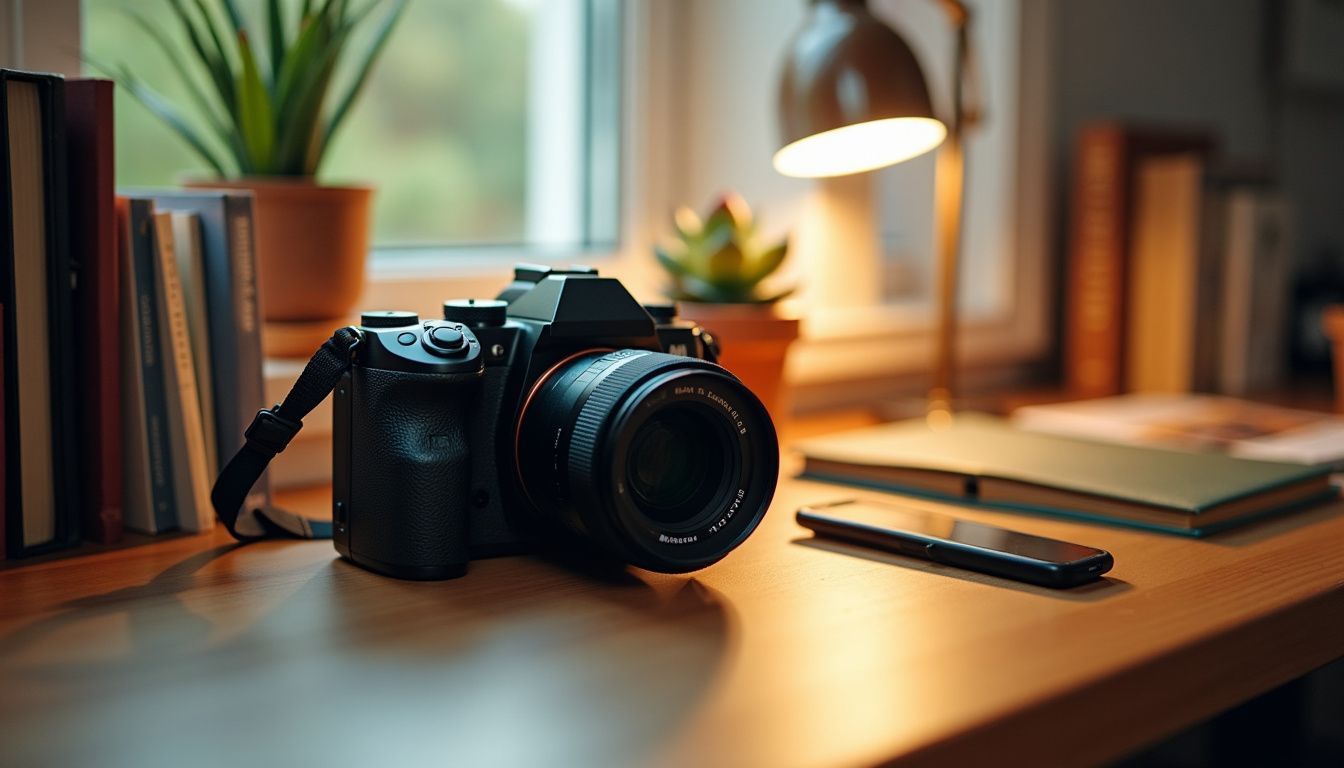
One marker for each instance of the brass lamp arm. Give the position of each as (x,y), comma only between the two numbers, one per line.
(967,94)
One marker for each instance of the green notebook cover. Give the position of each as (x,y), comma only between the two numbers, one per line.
(1180,485)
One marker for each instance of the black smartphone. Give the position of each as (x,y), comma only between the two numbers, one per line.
(960,543)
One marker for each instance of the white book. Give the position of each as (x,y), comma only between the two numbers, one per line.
(1255,292)
(191,270)
(191,476)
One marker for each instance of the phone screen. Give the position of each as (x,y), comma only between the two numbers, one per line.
(934,525)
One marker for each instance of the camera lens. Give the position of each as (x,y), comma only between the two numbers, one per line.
(663,461)
(676,464)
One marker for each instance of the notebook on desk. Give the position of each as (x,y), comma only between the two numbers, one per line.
(984,461)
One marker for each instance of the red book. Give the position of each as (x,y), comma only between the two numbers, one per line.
(93,246)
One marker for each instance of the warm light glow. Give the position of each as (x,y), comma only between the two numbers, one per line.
(860,147)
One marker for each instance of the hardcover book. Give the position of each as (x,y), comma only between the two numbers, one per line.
(981,460)
(186,436)
(42,461)
(147,454)
(93,245)
(1175,277)
(191,270)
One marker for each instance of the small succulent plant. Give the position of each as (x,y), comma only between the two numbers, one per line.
(719,260)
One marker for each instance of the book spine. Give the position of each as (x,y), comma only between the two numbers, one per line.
(1094,320)
(64,277)
(93,232)
(1163,303)
(137,505)
(190,484)
(190,268)
(152,372)
(248,383)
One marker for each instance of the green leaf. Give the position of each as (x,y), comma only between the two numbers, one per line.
(216,63)
(169,114)
(182,71)
(235,16)
(695,289)
(370,57)
(671,263)
(688,224)
(298,63)
(302,119)
(275,23)
(766,262)
(305,91)
(724,266)
(701,252)
(255,117)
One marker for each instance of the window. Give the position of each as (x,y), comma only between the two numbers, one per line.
(486,122)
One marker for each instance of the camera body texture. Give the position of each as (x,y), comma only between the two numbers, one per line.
(561,415)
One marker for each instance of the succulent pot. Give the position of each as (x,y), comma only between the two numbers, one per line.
(312,242)
(1334,328)
(754,341)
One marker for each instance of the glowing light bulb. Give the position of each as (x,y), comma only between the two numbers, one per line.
(860,147)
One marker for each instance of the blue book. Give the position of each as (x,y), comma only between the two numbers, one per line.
(233,314)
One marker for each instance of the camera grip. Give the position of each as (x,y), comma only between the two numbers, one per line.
(410,468)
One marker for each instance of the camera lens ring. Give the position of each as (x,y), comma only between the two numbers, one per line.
(574,452)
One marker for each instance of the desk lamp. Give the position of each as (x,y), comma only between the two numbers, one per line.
(853,98)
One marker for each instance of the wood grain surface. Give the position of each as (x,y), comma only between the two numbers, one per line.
(193,651)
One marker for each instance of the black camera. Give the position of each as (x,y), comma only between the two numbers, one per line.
(561,415)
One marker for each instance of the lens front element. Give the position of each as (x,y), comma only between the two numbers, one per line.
(665,461)
(677,464)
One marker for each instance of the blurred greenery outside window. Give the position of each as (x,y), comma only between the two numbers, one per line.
(492,124)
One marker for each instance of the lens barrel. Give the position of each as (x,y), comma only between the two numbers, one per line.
(664,461)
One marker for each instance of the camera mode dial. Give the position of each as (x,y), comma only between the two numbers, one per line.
(477,313)
(391,319)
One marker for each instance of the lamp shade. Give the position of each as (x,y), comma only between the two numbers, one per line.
(852,96)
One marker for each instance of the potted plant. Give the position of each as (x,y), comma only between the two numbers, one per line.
(266,121)
(724,278)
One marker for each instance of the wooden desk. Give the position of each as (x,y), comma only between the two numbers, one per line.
(194,651)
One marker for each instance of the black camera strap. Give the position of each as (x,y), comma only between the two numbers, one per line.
(269,433)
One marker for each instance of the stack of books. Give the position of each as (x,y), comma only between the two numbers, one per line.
(131,335)
(1178,268)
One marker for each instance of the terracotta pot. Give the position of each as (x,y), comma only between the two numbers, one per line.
(1334,328)
(754,341)
(312,242)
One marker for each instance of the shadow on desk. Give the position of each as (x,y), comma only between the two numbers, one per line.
(521,662)
(1100,589)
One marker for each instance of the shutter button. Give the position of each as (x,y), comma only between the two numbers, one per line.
(445,339)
